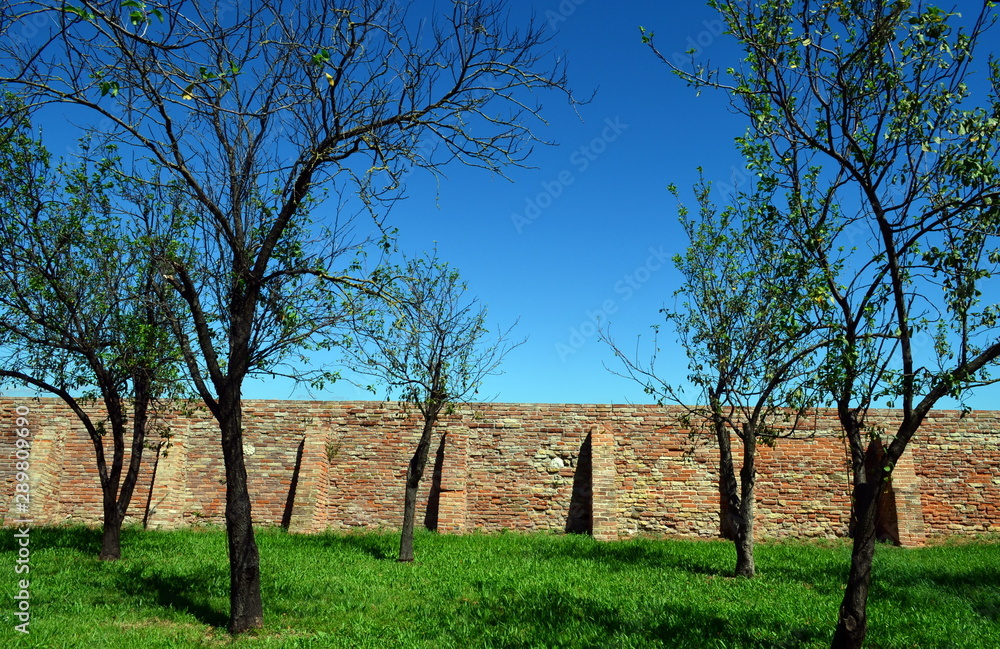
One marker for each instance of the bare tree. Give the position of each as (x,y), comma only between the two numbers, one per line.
(427,343)
(254,110)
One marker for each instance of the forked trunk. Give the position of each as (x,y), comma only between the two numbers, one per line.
(116,502)
(246,610)
(730,522)
(414,472)
(737,522)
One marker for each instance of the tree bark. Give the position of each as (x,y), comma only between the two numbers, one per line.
(745,566)
(739,497)
(116,502)
(111,548)
(852,621)
(246,609)
(414,472)
(728,487)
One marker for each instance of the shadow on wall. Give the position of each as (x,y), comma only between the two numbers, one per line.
(434,497)
(886,516)
(580,519)
(286,517)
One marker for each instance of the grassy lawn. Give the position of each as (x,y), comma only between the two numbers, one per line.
(500,590)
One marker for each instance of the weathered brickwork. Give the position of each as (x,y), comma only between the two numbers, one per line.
(957,464)
(613,471)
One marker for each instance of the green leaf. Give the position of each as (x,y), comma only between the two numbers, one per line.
(79,11)
(109,88)
(321,57)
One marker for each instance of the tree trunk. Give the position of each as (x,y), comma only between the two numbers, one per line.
(737,523)
(730,522)
(111,548)
(745,566)
(748,478)
(116,502)
(414,472)
(852,622)
(246,610)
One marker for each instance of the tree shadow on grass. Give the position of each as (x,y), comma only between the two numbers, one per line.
(83,539)
(826,578)
(177,592)
(645,553)
(980,588)
(621,556)
(87,540)
(550,617)
(982,577)
(824,572)
(377,546)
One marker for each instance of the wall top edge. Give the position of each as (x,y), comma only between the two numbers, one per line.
(500,405)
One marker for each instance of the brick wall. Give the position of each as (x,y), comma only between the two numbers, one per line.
(610,470)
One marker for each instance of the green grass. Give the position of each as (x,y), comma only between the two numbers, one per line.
(500,590)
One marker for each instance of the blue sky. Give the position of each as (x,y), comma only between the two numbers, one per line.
(589,231)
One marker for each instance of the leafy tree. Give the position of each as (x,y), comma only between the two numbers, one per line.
(879,134)
(254,111)
(745,324)
(76,319)
(428,345)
